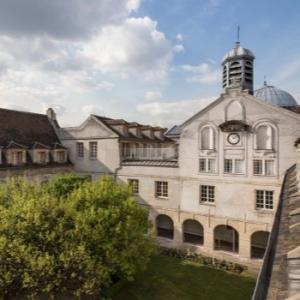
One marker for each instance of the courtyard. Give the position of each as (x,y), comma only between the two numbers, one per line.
(176,279)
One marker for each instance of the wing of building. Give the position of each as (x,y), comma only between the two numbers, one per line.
(30,146)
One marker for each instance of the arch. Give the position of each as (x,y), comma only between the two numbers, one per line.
(165,227)
(207,139)
(193,232)
(235,110)
(259,241)
(265,136)
(226,238)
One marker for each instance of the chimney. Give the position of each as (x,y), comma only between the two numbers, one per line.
(51,114)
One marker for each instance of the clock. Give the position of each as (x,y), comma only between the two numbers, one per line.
(233,138)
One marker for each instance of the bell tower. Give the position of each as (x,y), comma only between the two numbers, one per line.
(238,68)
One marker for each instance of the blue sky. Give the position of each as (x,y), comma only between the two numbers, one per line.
(152,61)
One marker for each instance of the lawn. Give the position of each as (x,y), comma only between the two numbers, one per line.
(169,278)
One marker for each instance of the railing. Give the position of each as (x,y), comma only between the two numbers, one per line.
(149,153)
(264,277)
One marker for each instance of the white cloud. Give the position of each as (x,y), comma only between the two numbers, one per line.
(134,46)
(153,95)
(170,113)
(179,37)
(204,73)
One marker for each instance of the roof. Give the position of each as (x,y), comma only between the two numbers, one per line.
(275,96)
(237,51)
(26,129)
(174,131)
(279,276)
(110,123)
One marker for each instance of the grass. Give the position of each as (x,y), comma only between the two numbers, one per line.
(169,278)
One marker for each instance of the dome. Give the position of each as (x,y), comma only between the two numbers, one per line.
(274,96)
(238,51)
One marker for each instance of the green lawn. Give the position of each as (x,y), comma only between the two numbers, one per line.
(169,278)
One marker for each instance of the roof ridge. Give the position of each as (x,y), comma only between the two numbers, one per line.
(22,112)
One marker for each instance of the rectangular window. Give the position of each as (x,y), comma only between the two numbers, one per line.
(134,184)
(207,193)
(161,189)
(80,150)
(207,165)
(18,157)
(234,166)
(61,156)
(264,199)
(93,150)
(264,167)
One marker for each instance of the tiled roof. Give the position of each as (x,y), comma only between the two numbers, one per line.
(151,163)
(26,129)
(174,131)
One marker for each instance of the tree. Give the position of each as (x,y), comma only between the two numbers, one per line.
(69,244)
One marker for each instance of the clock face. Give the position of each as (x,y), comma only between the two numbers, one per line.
(233,138)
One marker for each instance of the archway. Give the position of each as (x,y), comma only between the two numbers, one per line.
(226,238)
(259,241)
(193,232)
(164,226)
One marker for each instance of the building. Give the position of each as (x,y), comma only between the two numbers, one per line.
(212,183)
(30,146)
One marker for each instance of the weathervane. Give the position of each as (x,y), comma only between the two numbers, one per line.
(238,35)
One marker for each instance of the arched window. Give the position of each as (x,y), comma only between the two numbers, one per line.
(164,227)
(265,137)
(226,238)
(259,241)
(208,138)
(192,232)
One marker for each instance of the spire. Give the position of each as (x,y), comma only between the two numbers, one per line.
(238,36)
(265,80)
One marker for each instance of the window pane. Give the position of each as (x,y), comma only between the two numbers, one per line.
(269,167)
(202,165)
(93,150)
(257,167)
(211,165)
(228,166)
(207,193)
(239,166)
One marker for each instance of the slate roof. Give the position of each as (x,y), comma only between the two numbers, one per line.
(26,129)
(109,122)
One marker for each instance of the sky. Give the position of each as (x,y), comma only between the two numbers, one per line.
(152,61)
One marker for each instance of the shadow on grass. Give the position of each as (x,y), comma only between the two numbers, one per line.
(172,278)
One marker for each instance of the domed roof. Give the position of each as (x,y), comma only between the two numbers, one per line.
(274,96)
(238,51)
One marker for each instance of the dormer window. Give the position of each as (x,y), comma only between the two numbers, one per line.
(61,156)
(15,154)
(207,138)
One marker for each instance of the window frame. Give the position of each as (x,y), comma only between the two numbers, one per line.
(263,162)
(212,138)
(161,189)
(207,194)
(79,150)
(134,184)
(207,169)
(233,167)
(266,202)
(93,152)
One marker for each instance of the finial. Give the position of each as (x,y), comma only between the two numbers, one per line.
(265,80)
(238,36)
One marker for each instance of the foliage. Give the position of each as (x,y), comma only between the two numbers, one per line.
(69,238)
(204,260)
(177,278)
